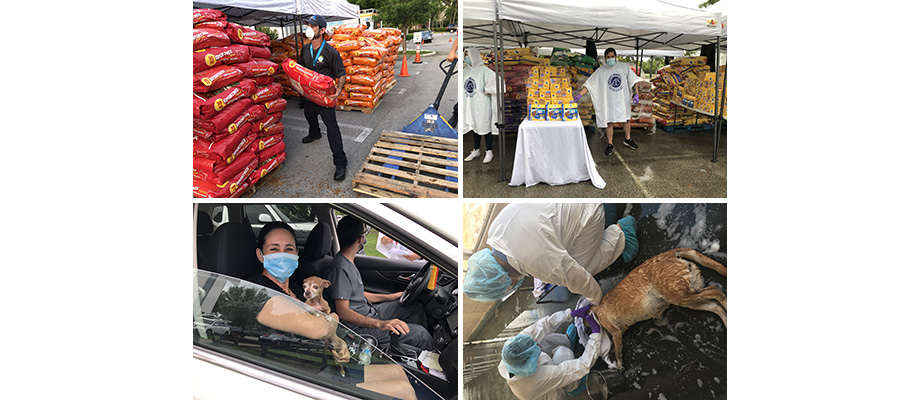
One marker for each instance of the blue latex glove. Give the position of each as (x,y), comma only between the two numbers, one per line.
(595,327)
(636,98)
(576,97)
(582,312)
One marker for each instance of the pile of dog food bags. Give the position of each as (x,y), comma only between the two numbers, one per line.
(369,56)
(689,82)
(237,107)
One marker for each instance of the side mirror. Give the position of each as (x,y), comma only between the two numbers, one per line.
(265,218)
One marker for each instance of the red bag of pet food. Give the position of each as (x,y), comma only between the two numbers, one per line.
(272,129)
(225,96)
(263,169)
(222,146)
(260,52)
(204,37)
(215,78)
(271,119)
(255,113)
(275,106)
(219,25)
(257,67)
(271,151)
(197,101)
(227,188)
(319,97)
(207,14)
(266,93)
(264,80)
(303,78)
(242,35)
(213,56)
(224,121)
(223,171)
(264,142)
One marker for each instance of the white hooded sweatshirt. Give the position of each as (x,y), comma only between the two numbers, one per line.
(610,91)
(480,104)
(555,375)
(564,244)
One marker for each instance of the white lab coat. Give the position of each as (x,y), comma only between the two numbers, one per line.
(552,379)
(564,244)
(480,104)
(610,92)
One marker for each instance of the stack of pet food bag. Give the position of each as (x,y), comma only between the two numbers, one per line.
(237,107)
(369,56)
(689,82)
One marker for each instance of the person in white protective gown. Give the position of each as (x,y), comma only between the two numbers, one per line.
(564,244)
(538,364)
(480,103)
(393,250)
(610,87)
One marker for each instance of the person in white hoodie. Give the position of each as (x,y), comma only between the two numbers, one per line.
(480,103)
(610,87)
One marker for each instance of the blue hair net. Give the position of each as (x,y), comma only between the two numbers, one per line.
(485,279)
(520,355)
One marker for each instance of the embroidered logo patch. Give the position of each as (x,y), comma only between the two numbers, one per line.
(469,87)
(615,82)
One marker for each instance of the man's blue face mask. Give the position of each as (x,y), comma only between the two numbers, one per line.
(280,265)
(611,61)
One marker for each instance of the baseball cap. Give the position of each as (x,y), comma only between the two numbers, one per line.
(317,20)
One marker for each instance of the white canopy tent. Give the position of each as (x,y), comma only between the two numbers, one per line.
(622,24)
(280,12)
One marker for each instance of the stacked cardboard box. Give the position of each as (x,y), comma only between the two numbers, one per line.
(685,85)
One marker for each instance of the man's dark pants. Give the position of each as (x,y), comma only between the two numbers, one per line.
(311,111)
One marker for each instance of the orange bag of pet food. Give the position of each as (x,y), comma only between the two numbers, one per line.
(265,93)
(257,67)
(353,88)
(349,45)
(203,38)
(346,62)
(361,96)
(341,37)
(366,53)
(225,96)
(359,70)
(243,35)
(213,56)
(358,103)
(302,78)
(392,31)
(354,29)
(363,79)
(215,78)
(366,61)
(207,14)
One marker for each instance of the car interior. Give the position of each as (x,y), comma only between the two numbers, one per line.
(226,241)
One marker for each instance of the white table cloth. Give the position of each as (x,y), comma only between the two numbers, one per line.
(556,153)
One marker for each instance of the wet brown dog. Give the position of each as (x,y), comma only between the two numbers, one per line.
(313,292)
(665,279)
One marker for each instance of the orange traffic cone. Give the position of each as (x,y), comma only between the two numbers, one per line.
(418,54)
(450,39)
(405,70)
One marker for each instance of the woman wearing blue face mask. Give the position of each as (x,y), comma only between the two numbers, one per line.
(278,253)
(610,92)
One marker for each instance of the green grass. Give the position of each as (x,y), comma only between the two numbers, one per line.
(371,247)
(412,52)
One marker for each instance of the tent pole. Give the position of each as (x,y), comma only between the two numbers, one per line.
(500,92)
(718,122)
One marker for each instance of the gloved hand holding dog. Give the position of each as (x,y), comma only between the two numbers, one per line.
(584,313)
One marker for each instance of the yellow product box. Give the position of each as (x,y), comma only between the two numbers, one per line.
(554,112)
(570,112)
(537,111)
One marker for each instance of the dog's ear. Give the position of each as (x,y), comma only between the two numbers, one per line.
(326,283)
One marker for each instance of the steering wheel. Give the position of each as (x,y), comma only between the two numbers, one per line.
(416,285)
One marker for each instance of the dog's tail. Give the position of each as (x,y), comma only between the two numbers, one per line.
(701,259)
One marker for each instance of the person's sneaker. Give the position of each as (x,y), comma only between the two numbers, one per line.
(488,158)
(629,143)
(472,156)
(609,149)
(339,174)
(310,139)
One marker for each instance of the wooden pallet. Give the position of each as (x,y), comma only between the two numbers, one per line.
(251,191)
(422,172)
(687,128)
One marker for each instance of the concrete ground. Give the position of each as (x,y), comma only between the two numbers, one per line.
(666,165)
(307,172)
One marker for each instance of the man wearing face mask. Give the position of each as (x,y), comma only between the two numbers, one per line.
(321,57)
(479,102)
(610,87)
(375,314)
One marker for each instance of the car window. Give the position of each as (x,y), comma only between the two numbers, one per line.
(380,245)
(244,338)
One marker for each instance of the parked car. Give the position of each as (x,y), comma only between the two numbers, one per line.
(261,364)
(451,28)
(426,36)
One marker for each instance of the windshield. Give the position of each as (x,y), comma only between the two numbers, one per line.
(270,329)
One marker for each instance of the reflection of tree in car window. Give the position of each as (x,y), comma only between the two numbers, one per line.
(240,305)
(296,212)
